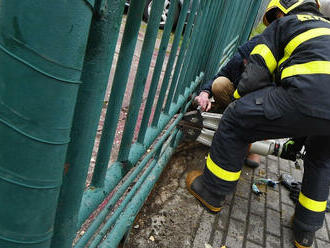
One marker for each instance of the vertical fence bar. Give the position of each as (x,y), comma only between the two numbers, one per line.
(216,50)
(199,22)
(244,14)
(209,38)
(210,44)
(191,59)
(250,21)
(230,21)
(94,196)
(222,41)
(170,63)
(226,28)
(100,50)
(184,46)
(130,36)
(157,71)
(200,46)
(42,46)
(122,225)
(206,39)
(140,79)
(133,191)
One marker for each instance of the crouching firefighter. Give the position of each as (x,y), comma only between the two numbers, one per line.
(294,49)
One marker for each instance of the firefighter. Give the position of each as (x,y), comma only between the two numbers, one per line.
(294,52)
(223,85)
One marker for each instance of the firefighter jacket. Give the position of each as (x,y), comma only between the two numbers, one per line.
(294,51)
(235,66)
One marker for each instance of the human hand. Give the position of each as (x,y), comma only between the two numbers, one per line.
(203,100)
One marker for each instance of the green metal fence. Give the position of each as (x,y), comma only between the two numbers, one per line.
(44,199)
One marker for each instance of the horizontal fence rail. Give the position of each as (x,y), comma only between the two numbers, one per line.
(130,90)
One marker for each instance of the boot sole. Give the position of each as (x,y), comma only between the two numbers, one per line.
(297,245)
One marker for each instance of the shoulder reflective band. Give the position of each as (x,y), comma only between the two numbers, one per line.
(314,67)
(304,18)
(236,95)
(221,173)
(315,206)
(301,38)
(267,55)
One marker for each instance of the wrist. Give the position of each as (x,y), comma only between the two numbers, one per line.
(204,94)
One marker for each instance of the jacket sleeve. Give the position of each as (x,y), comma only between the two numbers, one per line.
(232,70)
(262,62)
(207,87)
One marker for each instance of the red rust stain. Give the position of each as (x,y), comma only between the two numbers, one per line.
(66,168)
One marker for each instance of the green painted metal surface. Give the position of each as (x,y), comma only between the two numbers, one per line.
(186,43)
(140,79)
(100,218)
(157,71)
(39,83)
(254,7)
(102,41)
(127,217)
(130,36)
(170,63)
(42,46)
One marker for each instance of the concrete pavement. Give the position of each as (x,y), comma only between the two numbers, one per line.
(173,218)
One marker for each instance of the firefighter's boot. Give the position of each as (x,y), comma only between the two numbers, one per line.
(211,201)
(303,239)
(252,160)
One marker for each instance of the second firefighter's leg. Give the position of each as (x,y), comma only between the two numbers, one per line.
(223,165)
(310,209)
(228,151)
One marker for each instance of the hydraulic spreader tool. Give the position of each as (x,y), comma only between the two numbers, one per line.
(201,126)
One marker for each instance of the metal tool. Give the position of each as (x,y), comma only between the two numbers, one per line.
(201,126)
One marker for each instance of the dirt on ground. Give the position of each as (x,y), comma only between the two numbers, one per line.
(168,208)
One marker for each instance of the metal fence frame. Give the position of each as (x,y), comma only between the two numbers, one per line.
(203,40)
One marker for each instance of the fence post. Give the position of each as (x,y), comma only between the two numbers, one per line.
(42,46)
(99,55)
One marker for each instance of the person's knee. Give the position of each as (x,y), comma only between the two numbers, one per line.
(222,90)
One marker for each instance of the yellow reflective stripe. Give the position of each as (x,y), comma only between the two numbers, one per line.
(314,67)
(221,173)
(267,55)
(236,95)
(301,38)
(277,4)
(304,18)
(312,205)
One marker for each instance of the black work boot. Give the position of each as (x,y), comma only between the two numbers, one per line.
(212,202)
(303,239)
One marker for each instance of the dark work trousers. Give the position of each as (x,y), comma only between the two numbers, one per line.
(266,114)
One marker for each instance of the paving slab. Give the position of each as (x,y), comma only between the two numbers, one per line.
(175,219)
